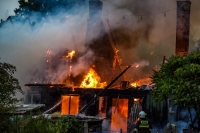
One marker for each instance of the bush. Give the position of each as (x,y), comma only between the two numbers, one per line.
(41,124)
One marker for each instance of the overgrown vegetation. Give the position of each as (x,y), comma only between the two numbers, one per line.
(179,79)
(10,123)
(9,85)
(41,124)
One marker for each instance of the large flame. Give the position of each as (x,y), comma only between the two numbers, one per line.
(92,80)
(119,114)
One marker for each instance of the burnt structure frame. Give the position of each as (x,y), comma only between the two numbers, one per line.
(52,93)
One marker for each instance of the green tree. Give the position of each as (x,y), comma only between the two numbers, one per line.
(39,11)
(9,85)
(179,79)
(44,7)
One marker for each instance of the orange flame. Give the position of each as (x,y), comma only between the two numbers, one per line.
(70,105)
(70,54)
(116,58)
(92,80)
(145,81)
(119,114)
(134,84)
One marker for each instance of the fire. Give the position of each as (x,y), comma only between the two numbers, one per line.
(70,105)
(134,84)
(119,114)
(70,54)
(116,59)
(145,81)
(92,80)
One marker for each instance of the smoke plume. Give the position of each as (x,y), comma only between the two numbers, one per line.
(142,30)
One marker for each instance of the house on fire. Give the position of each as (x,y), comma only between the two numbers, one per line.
(120,105)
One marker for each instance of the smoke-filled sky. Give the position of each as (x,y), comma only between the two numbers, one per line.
(144,30)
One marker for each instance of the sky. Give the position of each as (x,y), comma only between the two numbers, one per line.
(7,7)
(145,37)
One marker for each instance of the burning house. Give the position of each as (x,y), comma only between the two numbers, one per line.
(120,106)
(102,90)
(119,102)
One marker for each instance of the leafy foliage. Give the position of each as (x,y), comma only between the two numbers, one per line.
(39,11)
(41,124)
(179,79)
(44,7)
(9,85)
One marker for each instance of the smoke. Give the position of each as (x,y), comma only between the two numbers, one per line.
(65,67)
(146,30)
(142,30)
(182,122)
(83,64)
(24,46)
